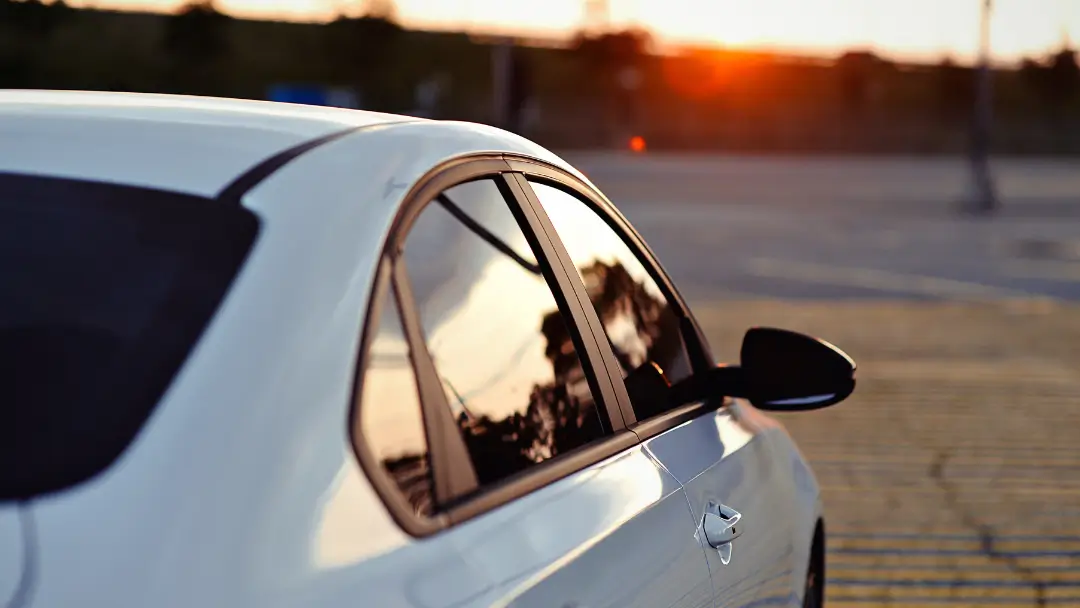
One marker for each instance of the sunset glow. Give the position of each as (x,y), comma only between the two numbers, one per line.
(908,28)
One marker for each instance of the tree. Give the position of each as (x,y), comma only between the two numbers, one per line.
(364,47)
(380,9)
(1055,81)
(25,27)
(195,37)
(1064,77)
(856,70)
(955,90)
(615,50)
(32,17)
(614,63)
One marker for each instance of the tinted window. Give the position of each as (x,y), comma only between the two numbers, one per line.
(105,291)
(501,347)
(640,323)
(391,421)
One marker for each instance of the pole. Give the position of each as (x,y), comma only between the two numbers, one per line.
(984,195)
(501,80)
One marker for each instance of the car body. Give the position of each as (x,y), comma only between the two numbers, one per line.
(332,287)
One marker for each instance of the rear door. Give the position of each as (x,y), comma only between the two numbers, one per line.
(728,463)
(525,467)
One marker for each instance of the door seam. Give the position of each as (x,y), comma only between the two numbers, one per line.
(690,508)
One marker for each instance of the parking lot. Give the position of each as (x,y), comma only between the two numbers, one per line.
(952,477)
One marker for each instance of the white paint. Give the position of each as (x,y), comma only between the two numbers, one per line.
(12,552)
(195,145)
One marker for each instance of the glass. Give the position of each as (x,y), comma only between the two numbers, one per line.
(391,420)
(637,318)
(501,346)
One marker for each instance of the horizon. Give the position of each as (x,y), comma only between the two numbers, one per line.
(901,30)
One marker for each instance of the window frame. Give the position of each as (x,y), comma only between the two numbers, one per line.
(572,300)
(701,359)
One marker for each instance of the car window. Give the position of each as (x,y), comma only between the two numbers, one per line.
(106,289)
(391,420)
(640,323)
(500,344)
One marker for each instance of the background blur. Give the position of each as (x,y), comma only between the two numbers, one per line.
(857,76)
(799,163)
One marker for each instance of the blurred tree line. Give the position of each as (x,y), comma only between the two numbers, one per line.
(592,91)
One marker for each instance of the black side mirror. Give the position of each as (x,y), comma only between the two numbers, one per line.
(788,371)
(779,370)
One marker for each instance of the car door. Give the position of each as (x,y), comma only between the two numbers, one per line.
(524,467)
(728,457)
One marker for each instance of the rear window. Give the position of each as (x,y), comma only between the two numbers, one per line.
(104,291)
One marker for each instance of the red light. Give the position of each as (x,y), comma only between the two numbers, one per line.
(637,143)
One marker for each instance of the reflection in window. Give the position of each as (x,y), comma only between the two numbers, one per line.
(391,421)
(501,346)
(639,322)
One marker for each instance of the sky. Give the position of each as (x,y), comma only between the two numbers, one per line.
(915,29)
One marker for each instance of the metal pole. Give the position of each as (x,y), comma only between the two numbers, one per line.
(501,80)
(984,195)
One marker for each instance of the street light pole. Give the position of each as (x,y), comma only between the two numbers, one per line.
(984,195)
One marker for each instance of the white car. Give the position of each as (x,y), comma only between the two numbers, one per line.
(258,354)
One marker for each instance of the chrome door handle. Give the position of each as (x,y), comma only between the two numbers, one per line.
(719,529)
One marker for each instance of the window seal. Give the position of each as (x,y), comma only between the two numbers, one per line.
(542,475)
(452,469)
(396,505)
(651,427)
(441,178)
(619,405)
(581,313)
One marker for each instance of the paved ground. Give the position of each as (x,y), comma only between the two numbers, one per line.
(952,477)
(953,474)
(849,228)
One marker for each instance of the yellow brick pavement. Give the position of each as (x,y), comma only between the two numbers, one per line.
(952,476)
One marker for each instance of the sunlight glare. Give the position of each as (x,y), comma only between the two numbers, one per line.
(914,29)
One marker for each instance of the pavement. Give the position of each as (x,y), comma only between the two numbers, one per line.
(952,476)
(848,228)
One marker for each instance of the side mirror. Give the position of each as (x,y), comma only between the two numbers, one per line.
(779,370)
(788,371)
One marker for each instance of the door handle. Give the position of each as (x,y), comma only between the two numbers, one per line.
(719,528)
(719,531)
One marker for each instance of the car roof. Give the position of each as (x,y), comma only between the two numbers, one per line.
(202,145)
(195,145)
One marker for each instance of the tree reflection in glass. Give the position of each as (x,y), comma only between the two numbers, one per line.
(639,322)
(492,325)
